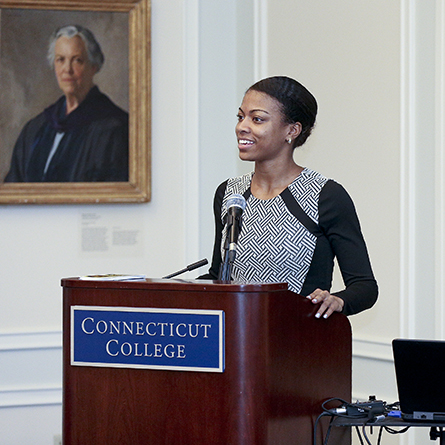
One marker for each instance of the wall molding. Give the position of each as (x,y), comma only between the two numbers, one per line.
(30,340)
(41,382)
(260,39)
(191,120)
(373,370)
(407,169)
(440,169)
(372,349)
(44,350)
(21,397)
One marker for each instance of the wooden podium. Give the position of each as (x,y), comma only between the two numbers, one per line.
(281,363)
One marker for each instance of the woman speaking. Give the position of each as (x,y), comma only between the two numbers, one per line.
(296,221)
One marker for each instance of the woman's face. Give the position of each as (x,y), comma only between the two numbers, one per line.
(74,71)
(261,131)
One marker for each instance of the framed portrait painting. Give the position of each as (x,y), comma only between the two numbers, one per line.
(75,101)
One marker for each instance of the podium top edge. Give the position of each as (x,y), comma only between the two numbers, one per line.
(174,284)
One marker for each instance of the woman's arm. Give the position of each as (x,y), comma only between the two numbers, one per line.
(338,220)
(216,259)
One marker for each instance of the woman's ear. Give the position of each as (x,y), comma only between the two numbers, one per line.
(295,130)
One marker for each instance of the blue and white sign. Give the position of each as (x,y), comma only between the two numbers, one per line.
(154,338)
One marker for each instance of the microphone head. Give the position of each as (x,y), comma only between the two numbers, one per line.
(236,200)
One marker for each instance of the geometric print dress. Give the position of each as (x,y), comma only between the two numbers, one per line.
(273,245)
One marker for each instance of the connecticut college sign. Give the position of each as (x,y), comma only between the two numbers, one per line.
(174,339)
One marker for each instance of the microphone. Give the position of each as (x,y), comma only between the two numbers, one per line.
(190,267)
(235,206)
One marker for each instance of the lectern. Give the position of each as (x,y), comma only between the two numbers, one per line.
(272,365)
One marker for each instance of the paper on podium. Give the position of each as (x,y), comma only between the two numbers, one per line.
(112,277)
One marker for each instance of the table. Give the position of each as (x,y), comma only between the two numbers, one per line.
(436,428)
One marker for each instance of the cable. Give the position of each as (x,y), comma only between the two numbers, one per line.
(333,399)
(380,435)
(329,431)
(393,431)
(373,410)
(395,405)
(357,430)
(316,425)
(342,411)
(365,435)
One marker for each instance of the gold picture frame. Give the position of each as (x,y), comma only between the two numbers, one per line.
(138,187)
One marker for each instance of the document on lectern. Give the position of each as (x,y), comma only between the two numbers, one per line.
(113,277)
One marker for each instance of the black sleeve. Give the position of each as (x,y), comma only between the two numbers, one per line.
(216,259)
(22,150)
(15,173)
(107,154)
(338,219)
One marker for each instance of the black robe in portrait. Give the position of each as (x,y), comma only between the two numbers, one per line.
(93,148)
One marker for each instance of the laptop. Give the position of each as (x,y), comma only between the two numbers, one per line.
(420,376)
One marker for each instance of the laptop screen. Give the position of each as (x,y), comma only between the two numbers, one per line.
(420,375)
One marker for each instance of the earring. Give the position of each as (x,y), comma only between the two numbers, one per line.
(289,141)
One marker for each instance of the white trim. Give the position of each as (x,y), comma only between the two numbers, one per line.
(407,171)
(27,394)
(260,39)
(30,397)
(30,340)
(373,370)
(36,350)
(191,130)
(440,170)
(373,350)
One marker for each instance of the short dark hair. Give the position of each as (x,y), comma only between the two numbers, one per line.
(297,103)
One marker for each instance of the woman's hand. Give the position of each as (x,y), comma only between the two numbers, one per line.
(329,303)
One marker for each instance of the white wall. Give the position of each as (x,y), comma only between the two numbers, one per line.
(375,68)
(192,125)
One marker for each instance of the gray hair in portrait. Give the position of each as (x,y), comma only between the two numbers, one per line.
(94,51)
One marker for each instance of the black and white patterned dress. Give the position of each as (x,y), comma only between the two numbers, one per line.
(274,246)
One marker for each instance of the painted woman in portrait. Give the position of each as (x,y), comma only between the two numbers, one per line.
(83,137)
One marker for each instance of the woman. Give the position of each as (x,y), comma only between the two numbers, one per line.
(83,137)
(296,220)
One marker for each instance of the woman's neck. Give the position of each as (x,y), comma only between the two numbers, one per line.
(74,100)
(270,180)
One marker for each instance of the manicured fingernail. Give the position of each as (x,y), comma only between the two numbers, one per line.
(317,315)
(315,300)
(325,316)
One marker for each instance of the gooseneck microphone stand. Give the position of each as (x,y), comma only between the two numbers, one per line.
(225,269)
(189,268)
(235,206)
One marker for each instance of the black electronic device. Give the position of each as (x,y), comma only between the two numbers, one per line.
(420,375)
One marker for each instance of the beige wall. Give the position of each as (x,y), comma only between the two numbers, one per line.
(375,68)
(194,86)
(354,72)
